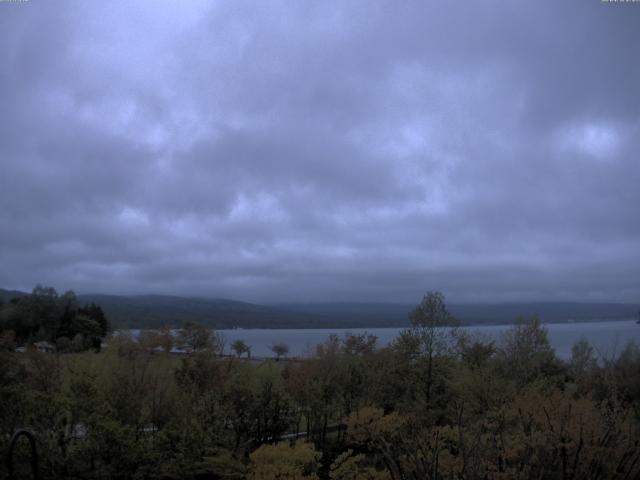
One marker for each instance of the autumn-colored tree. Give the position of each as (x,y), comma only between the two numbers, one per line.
(283,461)
(194,336)
(564,438)
(350,466)
(407,449)
(361,344)
(488,411)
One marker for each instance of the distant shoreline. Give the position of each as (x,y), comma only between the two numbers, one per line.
(475,324)
(158,311)
(606,336)
(394,327)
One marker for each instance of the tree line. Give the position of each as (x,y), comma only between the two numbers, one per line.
(44,315)
(436,403)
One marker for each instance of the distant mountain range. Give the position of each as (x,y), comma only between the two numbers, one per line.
(149,311)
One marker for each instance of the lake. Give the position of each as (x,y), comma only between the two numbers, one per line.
(607,338)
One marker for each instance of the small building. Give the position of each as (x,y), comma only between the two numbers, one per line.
(181,350)
(44,347)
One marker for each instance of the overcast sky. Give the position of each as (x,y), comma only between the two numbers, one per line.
(316,150)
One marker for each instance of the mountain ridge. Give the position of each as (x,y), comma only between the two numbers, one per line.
(155,310)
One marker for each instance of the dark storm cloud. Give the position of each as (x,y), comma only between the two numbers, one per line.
(315,150)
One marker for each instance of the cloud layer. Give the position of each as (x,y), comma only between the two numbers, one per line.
(275,151)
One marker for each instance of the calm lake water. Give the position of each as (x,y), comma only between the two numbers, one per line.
(608,338)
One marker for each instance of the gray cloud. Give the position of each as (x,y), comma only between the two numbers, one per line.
(322,150)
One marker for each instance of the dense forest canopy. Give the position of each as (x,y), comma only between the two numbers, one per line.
(59,319)
(437,403)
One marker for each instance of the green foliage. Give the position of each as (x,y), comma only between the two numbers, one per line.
(431,337)
(196,337)
(525,352)
(46,316)
(624,372)
(432,405)
(240,347)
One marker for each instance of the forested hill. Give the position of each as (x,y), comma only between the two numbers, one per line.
(7,295)
(389,314)
(159,310)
